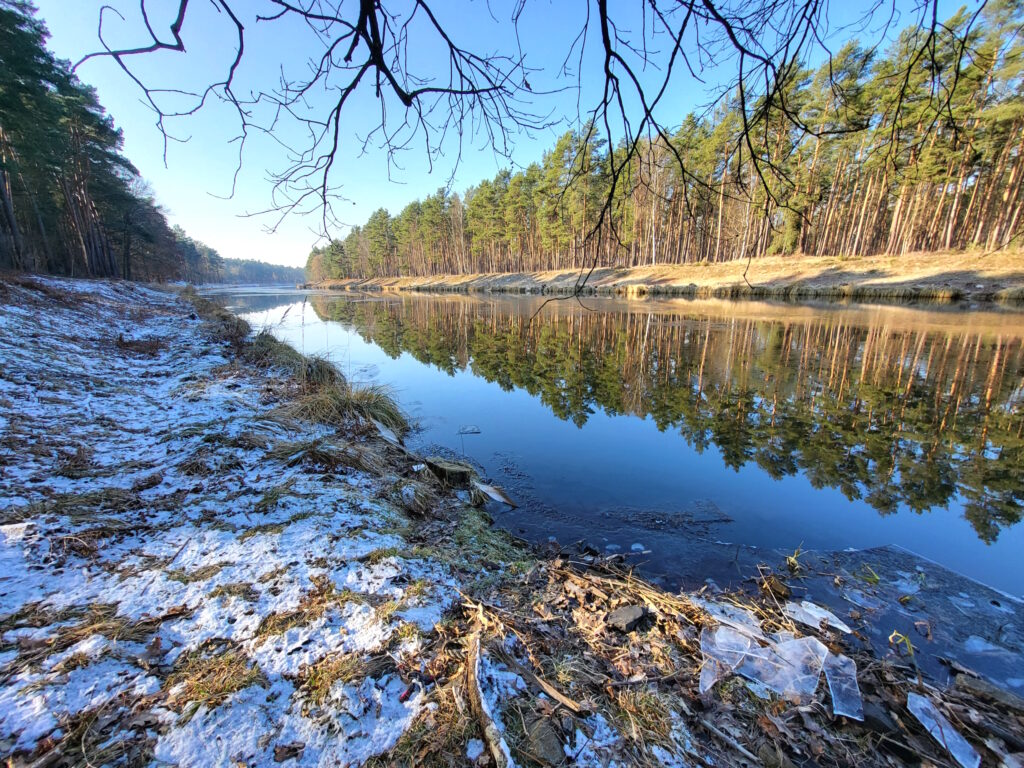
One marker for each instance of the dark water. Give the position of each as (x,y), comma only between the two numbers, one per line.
(690,427)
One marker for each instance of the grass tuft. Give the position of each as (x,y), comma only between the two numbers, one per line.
(238,589)
(207,679)
(327,455)
(316,680)
(201,573)
(341,403)
(313,605)
(220,323)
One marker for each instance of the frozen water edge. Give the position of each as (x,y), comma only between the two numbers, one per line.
(138,502)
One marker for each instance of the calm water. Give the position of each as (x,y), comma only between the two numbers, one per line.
(691,427)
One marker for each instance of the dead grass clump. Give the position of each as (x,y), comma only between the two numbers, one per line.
(202,573)
(258,530)
(267,351)
(141,347)
(83,507)
(85,543)
(76,465)
(317,372)
(377,402)
(100,619)
(417,499)
(238,589)
(102,735)
(272,497)
(207,676)
(316,680)
(475,534)
(339,404)
(198,464)
(220,323)
(326,455)
(437,738)
(643,715)
(313,605)
(249,441)
(380,555)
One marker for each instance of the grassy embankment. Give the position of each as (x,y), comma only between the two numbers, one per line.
(927,276)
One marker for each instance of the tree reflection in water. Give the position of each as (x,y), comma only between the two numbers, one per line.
(890,405)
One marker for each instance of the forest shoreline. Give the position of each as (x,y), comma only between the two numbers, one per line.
(937,277)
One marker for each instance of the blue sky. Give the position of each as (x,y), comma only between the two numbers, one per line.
(198,174)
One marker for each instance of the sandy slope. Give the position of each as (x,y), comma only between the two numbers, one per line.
(998,276)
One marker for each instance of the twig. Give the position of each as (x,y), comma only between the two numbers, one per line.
(492,736)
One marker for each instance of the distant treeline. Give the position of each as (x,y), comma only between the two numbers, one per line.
(70,202)
(943,174)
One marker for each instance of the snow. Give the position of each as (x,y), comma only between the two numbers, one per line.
(189,561)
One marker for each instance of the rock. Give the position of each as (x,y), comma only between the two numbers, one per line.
(284,752)
(626,618)
(545,743)
(450,472)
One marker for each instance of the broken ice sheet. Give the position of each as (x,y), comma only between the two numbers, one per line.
(740,619)
(723,648)
(812,615)
(791,668)
(942,731)
(841,675)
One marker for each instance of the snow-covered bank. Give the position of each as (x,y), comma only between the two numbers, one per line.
(165,583)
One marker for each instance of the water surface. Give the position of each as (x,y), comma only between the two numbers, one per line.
(689,427)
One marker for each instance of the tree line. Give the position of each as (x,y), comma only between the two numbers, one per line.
(71,203)
(831,168)
(896,416)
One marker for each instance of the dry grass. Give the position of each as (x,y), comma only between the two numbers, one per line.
(78,464)
(80,507)
(239,589)
(219,322)
(272,497)
(99,736)
(313,605)
(316,680)
(437,738)
(326,455)
(258,530)
(202,573)
(340,404)
(643,715)
(207,676)
(380,555)
(141,347)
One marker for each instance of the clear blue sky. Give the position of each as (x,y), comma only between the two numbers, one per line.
(199,171)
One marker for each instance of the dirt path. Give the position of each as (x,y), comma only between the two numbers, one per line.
(939,277)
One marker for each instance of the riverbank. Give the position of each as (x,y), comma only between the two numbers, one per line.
(215,551)
(931,277)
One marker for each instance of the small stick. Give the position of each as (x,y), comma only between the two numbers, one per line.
(499,749)
(731,742)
